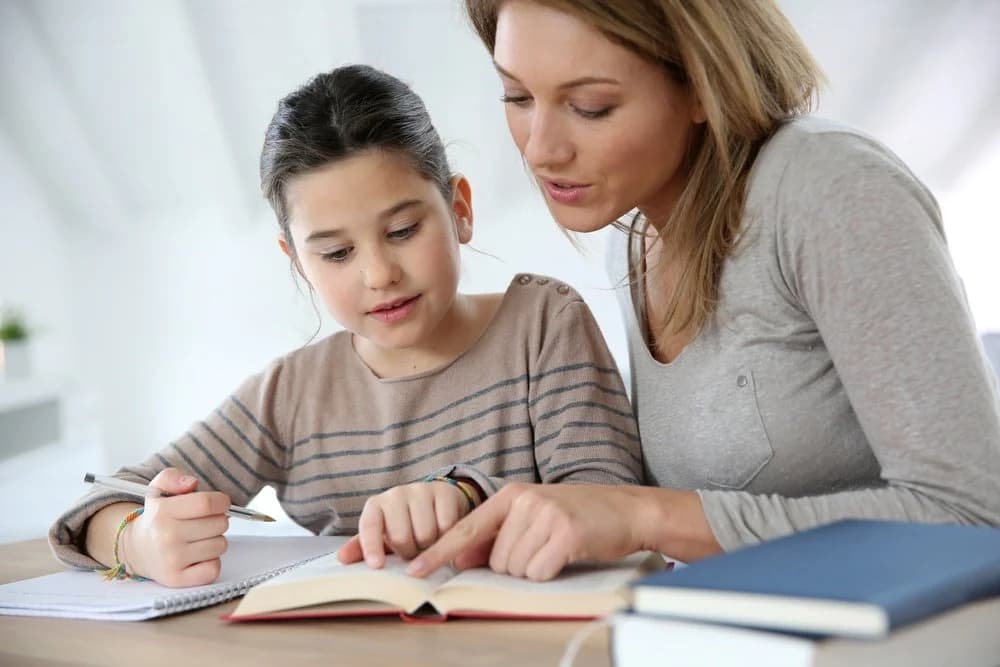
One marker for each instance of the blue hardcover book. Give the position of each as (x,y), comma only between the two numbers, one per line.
(850,578)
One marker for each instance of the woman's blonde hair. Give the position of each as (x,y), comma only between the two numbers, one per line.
(749,70)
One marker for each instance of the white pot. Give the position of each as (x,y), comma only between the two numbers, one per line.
(15,360)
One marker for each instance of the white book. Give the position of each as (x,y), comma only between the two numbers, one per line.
(248,561)
(967,636)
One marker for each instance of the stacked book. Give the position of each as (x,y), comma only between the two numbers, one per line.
(849,593)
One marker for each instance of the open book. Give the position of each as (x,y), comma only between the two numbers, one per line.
(325,587)
(85,594)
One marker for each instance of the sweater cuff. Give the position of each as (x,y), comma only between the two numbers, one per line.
(67,533)
(724,522)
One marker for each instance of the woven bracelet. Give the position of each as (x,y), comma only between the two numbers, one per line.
(119,570)
(469,494)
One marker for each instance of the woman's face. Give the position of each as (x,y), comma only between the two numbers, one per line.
(602,129)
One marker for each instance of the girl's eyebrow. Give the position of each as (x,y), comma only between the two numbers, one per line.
(321,234)
(582,81)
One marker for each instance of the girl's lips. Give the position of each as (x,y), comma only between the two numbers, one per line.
(565,193)
(398,311)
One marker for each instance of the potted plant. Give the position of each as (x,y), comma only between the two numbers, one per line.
(14,334)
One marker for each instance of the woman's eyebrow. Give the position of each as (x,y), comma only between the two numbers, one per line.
(582,81)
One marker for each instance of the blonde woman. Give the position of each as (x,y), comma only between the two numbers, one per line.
(801,350)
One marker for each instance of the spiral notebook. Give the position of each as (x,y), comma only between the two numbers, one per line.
(249,560)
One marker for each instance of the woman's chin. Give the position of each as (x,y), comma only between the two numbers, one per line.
(579,221)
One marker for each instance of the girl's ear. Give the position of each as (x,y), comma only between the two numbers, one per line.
(461,207)
(290,253)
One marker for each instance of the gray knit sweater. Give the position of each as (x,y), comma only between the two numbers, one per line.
(841,376)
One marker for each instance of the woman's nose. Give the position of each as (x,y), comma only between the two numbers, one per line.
(548,145)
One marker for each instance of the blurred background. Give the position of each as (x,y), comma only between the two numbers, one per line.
(142,259)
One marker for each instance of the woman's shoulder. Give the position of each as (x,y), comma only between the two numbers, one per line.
(811,164)
(809,147)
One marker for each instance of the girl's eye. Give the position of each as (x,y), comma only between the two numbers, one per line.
(403,234)
(339,255)
(516,100)
(593,114)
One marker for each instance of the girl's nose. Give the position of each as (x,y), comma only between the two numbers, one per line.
(381,270)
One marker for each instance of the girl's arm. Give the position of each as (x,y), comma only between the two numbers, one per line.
(861,246)
(232,451)
(583,426)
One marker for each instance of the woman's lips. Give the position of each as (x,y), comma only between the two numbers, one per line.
(396,311)
(565,192)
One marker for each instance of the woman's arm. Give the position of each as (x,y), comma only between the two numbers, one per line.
(535,530)
(861,246)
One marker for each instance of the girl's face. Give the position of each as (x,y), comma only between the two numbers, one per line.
(602,129)
(380,245)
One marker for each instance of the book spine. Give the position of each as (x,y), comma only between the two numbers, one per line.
(922,602)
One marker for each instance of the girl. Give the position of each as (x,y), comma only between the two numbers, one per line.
(800,345)
(513,386)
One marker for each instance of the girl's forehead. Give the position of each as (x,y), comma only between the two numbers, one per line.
(356,190)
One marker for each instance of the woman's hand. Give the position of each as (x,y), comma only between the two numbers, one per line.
(405,520)
(177,541)
(535,530)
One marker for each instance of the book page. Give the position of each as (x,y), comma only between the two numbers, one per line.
(327,580)
(582,589)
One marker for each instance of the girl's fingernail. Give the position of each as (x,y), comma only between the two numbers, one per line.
(416,568)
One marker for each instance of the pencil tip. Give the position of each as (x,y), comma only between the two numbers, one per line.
(89,477)
(268,518)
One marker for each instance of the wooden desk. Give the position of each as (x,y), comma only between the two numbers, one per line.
(199,637)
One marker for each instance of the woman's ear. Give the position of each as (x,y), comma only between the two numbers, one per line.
(290,253)
(698,115)
(461,207)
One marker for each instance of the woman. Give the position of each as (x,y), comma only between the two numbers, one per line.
(800,345)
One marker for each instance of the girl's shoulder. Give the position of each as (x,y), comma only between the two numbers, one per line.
(539,293)
(315,362)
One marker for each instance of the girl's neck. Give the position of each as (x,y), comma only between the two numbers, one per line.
(457,332)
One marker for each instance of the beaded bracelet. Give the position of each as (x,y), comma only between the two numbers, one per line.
(464,487)
(119,571)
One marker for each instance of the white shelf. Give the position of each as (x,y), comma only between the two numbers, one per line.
(18,394)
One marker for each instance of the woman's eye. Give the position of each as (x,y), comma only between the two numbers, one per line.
(339,255)
(516,100)
(593,114)
(403,234)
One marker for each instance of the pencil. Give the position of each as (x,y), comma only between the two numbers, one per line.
(144,491)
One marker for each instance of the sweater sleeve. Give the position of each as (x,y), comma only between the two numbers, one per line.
(583,425)
(235,450)
(862,250)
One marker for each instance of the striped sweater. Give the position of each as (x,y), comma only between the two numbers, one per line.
(537,398)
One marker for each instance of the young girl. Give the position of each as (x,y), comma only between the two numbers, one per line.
(425,384)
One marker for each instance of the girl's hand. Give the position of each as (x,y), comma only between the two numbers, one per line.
(178,541)
(406,520)
(535,530)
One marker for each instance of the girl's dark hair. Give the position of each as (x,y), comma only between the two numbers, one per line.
(339,114)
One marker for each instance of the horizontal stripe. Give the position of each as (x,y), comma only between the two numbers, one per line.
(260,427)
(242,436)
